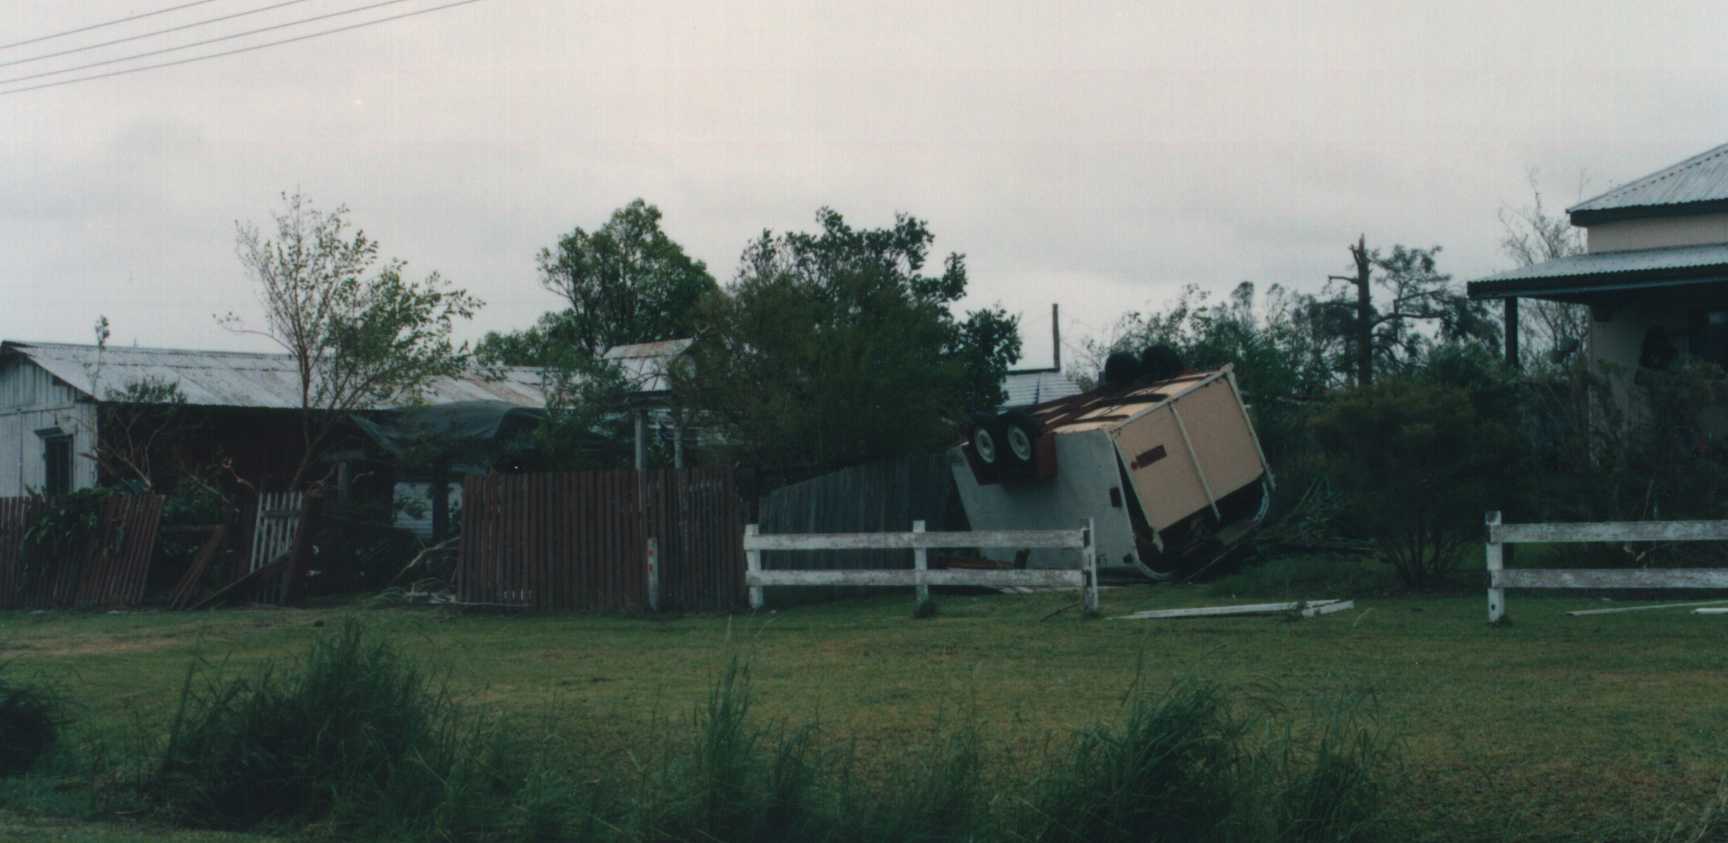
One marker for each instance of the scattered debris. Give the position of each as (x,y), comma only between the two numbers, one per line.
(1304,608)
(1619,609)
(1710,611)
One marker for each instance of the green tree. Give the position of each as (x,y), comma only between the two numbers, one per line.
(1392,308)
(840,345)
(359,338)
(625,282)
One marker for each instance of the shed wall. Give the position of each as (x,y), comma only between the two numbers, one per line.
(1656,233)
(30,400)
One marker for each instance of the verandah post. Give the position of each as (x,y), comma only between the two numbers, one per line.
(1496,564)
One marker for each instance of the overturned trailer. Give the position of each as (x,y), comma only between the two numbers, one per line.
(1170,472)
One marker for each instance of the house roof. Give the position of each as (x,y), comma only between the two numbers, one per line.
(1696,185)
(646,364)
(1600,272)
(1036,387)
(241,379)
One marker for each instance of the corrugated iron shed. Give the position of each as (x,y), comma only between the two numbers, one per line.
(240,379)
(1698,180)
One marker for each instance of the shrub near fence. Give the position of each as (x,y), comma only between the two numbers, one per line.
(580,540)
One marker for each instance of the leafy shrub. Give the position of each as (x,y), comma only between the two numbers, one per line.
(30,718)
(1419,461)
(356,738)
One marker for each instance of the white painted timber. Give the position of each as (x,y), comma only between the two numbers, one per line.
(1500,579)
(1328,608)
(1710,611)
(1610,531)
(949,577)
(1610,578)
(753,566)
(921,564)
(1645,608)
(1072,539)
(1307,607)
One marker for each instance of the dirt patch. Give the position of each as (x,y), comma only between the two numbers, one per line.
(96,647)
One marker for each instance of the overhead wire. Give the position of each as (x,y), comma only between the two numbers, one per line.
(204,43)
(181,28)
(39,39)
(237,51)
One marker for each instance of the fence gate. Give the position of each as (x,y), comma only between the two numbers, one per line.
(586,540)
(273,534)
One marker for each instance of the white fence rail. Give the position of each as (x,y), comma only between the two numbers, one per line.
(1084,578)
(1500,535)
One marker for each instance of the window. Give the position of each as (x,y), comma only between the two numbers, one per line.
(56,461)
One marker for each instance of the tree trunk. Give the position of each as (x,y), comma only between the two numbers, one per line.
(1364,313)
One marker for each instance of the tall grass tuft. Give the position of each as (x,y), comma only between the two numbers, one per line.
(30,717)
(1333,784)
(1170,771)
(354,739)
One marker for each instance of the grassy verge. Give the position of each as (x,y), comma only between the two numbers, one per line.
(1554,728)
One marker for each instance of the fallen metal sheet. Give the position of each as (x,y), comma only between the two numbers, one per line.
(1617,610)
(1307,608)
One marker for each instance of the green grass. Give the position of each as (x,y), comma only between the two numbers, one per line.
(1551,728)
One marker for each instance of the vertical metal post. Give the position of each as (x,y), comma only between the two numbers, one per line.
(1512,361)
(1496,595)
(1089,558)
(641,440)
(653,575)
(752,565)
(921,563)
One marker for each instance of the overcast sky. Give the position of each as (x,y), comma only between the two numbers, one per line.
(1100,155)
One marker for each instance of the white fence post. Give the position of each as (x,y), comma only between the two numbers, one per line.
(1496,595)
(1089,558)
(921,564)
(753,563)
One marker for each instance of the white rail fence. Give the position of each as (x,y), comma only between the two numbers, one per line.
(1084,577)
(1500,578)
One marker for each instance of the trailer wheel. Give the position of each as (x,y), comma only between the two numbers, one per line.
(985,438)
(1020,429)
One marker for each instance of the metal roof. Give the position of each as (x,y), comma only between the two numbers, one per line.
(242,379)
(1644,266)
(1027,388)
(645,364)
(1703,178)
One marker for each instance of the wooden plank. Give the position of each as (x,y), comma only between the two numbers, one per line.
(1089,566)
(1645,608)
(921,564)
(901,578)
(1227,611)
(1610,578)
(1075,539)
(752,567)
(1328,608)
(1496,564)
(1710,611)
(188,584)
(1610,531)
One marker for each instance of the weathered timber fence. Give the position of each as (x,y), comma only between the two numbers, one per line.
(1085,577)
(879,497)
(603,540)
(1501,578)
(108,568)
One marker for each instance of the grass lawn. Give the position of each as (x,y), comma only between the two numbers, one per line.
(1549,728)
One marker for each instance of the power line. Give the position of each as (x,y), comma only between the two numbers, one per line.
(204,43)
(239,50)
(141,16)
(181,27)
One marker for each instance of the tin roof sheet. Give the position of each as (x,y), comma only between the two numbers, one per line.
(1701,178)
(1025,389)
(242,379)
(1647,265)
